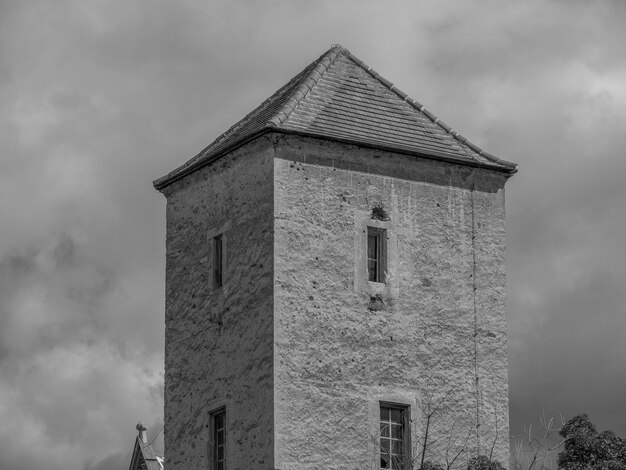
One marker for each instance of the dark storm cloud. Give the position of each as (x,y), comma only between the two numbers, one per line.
(80,348)
(560,115)
(67,377)
(99,98)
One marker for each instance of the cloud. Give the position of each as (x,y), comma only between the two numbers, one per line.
(115,460)
(97,100)
(81,338)
(71,375)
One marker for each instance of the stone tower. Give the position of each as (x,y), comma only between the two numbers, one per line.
(335,276)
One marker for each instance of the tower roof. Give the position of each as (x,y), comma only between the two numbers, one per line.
(339,97)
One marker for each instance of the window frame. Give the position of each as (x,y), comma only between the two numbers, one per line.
(213,233)
(390,288)
(214,445)
(403,459)
(217,249)
(379,235)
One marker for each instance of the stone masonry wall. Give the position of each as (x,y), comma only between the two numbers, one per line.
(219,342)
(443,325)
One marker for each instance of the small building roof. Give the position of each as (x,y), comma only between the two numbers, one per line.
(144,456)
(339,97)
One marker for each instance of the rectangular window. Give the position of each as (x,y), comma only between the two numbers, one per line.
(376,254)
(218,261)
(394,436)
(219,439)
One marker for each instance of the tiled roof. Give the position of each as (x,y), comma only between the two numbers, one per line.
(144,456)
(340,97)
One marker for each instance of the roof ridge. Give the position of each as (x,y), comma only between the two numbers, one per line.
(323,63)
(421,108)
(224,135)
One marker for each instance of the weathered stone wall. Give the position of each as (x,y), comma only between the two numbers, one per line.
(292,344)
(219,342)
(444,321)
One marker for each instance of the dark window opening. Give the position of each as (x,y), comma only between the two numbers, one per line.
(394,437)
(218,261)
(219,440)
(376,254)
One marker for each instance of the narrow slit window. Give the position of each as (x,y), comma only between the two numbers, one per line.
(219,440)
(218,261)
(376,254)
(394,437)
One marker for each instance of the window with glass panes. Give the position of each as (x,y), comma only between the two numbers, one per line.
(218,261)
(376,256)
(219,440)
(394,436)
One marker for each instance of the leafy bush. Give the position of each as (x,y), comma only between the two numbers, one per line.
(482,462)
(584,448)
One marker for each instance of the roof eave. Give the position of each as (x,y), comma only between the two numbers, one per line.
(308,81)
(421,108)
(498,164)
(182,171)
(503,167)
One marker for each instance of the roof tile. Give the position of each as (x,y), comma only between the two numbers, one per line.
(339,96)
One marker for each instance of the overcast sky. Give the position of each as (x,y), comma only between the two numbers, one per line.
(98,98)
